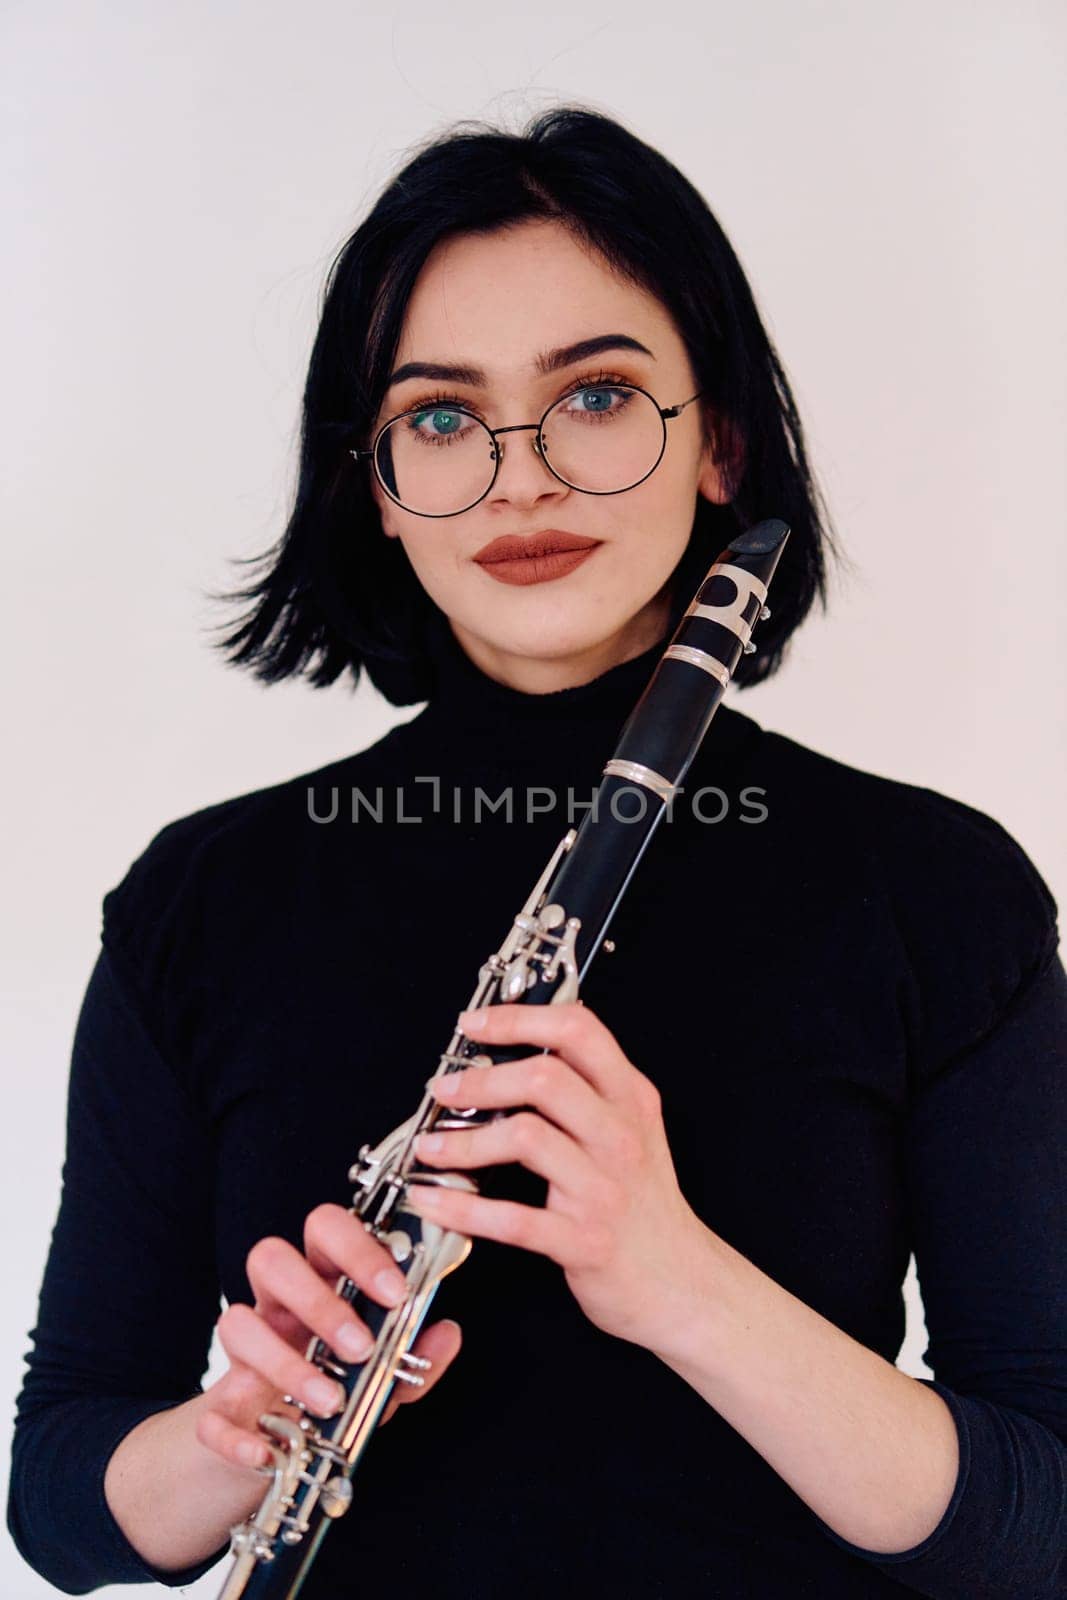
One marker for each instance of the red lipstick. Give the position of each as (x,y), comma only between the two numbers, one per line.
(536,558)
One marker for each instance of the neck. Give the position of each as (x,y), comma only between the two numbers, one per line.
(566,670)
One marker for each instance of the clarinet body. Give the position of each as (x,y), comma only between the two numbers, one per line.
(542,961)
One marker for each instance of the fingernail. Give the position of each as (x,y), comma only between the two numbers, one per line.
(352,1341)
(254,1454)
(472,1020)
(324,1395)
(427,1143)
(444,1085)
(392,1286)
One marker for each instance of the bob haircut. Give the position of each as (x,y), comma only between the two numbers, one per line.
(334,592)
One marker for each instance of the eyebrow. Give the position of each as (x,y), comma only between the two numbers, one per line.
(548,361)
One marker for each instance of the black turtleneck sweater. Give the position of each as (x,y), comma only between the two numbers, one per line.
(848,992)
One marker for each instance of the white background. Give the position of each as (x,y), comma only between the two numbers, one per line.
(177,181)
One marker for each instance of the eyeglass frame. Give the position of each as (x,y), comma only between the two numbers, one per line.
(666,414)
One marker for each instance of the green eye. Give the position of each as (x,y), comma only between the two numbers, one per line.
(446,421)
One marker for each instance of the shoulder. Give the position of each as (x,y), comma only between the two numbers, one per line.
(975,921)
(227,859)
(916,837)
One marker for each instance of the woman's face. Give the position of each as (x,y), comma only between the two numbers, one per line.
(497,303)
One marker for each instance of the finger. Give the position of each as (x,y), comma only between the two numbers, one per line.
(247,1338)
(552,1086)
(229,1416)
(572,1031)
(242,1394)
(284,1322)
(337,1242)
(234,1443)
(524,1137)
(548,1233)
(293,1296)
(439,1345)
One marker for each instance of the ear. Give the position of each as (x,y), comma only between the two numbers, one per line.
(721,460)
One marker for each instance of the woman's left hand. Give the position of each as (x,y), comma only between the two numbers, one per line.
(614,1219)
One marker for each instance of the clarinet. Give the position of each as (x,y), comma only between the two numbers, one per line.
(542,961)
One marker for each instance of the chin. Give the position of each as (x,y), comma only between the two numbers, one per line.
(542,642)
(551,621)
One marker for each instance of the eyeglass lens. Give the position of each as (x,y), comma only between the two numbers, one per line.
(440,460)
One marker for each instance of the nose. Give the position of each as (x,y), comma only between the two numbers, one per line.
(523,475)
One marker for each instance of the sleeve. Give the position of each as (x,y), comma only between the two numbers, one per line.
(129,1294)
(985,1169)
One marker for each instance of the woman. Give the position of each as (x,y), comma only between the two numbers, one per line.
(831,1031)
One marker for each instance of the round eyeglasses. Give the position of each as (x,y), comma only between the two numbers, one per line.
(438,460)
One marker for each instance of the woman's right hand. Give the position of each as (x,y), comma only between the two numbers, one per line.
(295,1298)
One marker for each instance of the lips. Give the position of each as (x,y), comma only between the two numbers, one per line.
(512,547)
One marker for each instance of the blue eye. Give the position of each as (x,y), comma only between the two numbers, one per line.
(596,400)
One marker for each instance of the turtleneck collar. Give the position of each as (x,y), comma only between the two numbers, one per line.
(464,689)
(467,703)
